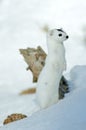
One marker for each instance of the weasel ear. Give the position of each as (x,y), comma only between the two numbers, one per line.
(61,28)
(51,32)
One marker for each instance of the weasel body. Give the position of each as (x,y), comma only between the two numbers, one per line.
(47,92)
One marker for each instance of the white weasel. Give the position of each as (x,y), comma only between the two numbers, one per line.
(49,78)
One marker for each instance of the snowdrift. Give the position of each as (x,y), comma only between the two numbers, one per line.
(68,114)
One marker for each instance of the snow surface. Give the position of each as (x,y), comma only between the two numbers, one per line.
(20,27)
(68,114)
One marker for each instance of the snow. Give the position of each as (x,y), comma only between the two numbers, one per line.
(20,27)
(67,114)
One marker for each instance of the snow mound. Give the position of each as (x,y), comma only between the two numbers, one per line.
(68,114)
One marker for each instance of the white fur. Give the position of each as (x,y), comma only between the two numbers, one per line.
(48,82)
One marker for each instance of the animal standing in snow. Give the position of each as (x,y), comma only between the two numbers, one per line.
(48,82)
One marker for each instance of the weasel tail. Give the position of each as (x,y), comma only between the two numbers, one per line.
(47,92)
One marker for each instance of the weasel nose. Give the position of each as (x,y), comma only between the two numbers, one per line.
(67,37)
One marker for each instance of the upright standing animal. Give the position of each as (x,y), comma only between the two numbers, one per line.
(47,92)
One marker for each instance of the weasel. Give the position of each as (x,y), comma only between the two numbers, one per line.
(63,88)
(47,92)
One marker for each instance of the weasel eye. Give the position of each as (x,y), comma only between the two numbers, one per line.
(60,35)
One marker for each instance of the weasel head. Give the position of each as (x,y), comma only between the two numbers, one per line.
(58,35)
